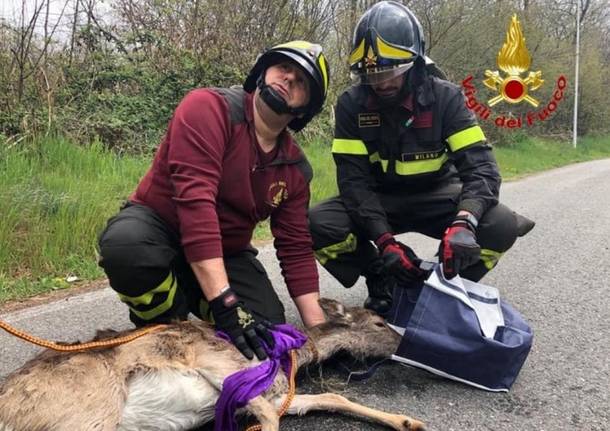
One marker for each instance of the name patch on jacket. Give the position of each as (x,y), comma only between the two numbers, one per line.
(424,155)
(369,120)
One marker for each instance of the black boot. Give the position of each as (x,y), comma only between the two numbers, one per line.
(380,286)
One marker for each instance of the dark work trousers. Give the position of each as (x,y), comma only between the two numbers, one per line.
(145,265)
(346,253)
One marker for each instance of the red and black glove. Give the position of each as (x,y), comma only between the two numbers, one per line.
(459,248)
(246,332)
(400,260)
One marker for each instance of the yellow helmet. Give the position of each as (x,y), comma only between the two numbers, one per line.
(310,58)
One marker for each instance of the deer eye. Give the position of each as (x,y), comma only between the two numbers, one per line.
(380,324)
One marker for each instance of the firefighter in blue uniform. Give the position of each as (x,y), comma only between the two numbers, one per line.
(410,157)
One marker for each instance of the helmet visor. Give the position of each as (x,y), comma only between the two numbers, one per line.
(379,75)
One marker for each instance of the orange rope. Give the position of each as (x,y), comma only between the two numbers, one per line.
(78,347)
(137,334)
(291,391)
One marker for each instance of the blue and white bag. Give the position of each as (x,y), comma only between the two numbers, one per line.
(460,330)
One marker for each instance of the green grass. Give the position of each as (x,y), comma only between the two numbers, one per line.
(55,197)
(536,155)
(324,183)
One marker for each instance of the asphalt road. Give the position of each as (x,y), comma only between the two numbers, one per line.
(557,276)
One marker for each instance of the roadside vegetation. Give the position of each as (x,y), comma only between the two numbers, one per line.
(55,198)
(87,89)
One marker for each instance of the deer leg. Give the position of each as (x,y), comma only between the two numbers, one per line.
(301,404)
(264,412)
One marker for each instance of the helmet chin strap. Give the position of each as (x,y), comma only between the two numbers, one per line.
(273,99)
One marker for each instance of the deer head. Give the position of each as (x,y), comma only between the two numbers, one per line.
(356,330)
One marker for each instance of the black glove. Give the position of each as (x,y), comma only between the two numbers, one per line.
(400,260)
(231,316)
(459,248)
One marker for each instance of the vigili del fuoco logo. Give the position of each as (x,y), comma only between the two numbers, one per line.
(511,87)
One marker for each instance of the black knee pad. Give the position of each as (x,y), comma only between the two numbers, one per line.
(524,224)
(136,251)
(498,229)
(329,223)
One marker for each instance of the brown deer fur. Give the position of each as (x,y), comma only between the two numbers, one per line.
(171,379)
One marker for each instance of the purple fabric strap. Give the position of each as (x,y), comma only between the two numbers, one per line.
(242,386)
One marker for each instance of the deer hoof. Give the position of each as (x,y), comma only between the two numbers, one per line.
(413,425)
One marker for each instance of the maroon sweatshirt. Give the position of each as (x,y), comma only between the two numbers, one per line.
(212,183)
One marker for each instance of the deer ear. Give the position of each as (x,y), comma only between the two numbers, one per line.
(333,309)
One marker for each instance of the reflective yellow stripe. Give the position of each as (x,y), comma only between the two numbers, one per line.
(490,257)
(332,251)
(466,137)
(420,166)
(386,50)
(375,158)
(357,54)
(349,146)
(321,60)
(147,297)
(322,66)
(168,285)
(411,168)
(298,44)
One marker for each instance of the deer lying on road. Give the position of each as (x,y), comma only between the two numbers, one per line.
(171,379)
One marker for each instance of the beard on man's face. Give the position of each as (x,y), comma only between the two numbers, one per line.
(387,92)
(390,92)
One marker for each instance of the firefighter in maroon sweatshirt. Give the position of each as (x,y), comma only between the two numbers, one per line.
(182,242)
